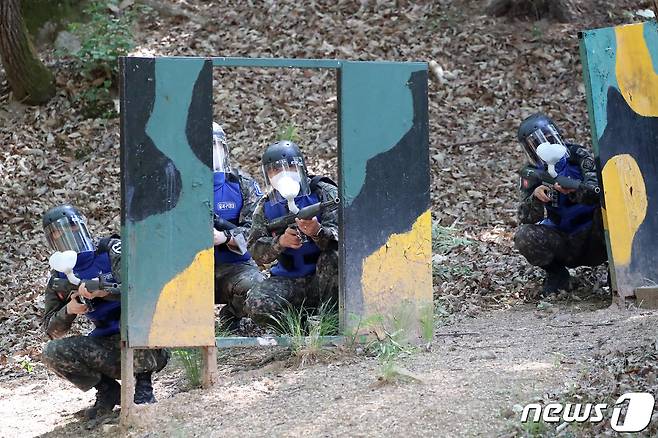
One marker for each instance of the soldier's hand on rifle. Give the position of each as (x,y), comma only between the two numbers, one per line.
(74,307)
(290,239)
(82,290)
(310,227)
(219,237)
(542,193)
(562,190)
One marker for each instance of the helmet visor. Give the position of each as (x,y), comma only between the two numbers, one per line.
(286,179)
(548,135)
(69,233)
(220,158)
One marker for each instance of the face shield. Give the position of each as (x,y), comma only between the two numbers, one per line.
(286,179)
(69,233)
(547,135)
(220,157)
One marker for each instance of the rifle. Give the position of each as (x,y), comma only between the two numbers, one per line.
(222,224)
(64,285)
(535,176)
(280,224)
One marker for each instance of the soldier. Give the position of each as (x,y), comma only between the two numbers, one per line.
(92,361)
(560,228)
(235,199)
(306,271)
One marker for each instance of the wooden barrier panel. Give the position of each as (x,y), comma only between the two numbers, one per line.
(386,244)
(167,197)
(620,70)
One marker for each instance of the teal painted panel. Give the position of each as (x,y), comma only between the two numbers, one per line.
(376,112)
(651,37)
(384,177)
(599,49)
(166,185)
(275,341)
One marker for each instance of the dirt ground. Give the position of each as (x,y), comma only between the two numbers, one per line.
(475,373)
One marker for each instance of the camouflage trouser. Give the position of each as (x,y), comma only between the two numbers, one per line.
(232,282)
(270,296)
(542,245)
(83,359)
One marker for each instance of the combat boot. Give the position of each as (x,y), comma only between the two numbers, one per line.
(143,389)
(108,395)
(557,278)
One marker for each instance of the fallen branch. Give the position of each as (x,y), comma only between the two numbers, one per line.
(457,334)
(602,324)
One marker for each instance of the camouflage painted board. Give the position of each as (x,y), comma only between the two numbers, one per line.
(621,77)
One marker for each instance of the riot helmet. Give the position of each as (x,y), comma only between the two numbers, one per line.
(284,171)
(66,229)
(220,157)
(536,130)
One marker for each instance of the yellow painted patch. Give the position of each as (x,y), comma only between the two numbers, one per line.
(184,314)
(626,204)
(400,271)
(637,79)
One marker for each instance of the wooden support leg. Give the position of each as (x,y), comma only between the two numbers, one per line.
(127,382)
(209,364)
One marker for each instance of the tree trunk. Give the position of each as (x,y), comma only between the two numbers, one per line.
(30,81)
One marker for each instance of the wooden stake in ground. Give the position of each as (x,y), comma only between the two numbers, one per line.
(127,383)
(209,364)
(30,81)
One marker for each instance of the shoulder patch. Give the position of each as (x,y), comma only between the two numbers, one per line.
(588,164)
(116,247)
(524,184)
(257,189)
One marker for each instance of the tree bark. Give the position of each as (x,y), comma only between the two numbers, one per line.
(30,81)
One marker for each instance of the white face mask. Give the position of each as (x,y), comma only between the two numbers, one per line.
(287,184)
(551,154)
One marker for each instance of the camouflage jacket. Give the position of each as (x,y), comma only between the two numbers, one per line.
(531,209)
(56,321)
(265,248)
(251,194)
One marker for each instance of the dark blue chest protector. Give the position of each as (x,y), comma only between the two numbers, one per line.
(568,216)
(106,315)
(294,262)
(228,204)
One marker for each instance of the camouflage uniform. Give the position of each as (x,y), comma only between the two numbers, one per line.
(82,360)
(542,245)
(267,297)
(234,280)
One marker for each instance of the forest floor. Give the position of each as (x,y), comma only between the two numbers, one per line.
(505,349)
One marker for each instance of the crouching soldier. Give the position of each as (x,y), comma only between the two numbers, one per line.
(92,361)
(306,254)
(235,199)
(560,227)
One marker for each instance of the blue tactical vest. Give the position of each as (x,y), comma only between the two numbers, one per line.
(228,204)
(294,262)
(568,217)
(106,314)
